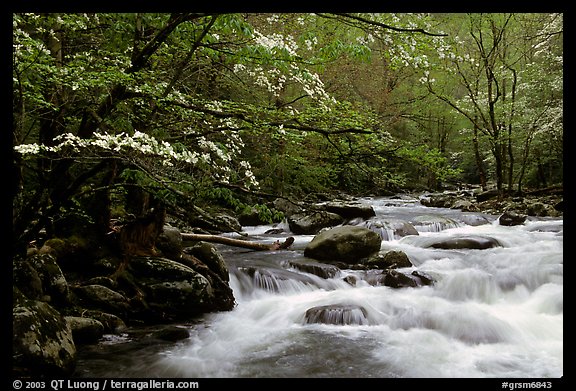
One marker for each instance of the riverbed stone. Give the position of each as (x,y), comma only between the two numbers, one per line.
(472,242)
(390,259)
(312,223)
(350,210)
(317,268)
(85,330)
(510,218)
(346,243)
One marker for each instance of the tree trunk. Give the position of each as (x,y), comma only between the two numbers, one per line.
(239,242)
(478,158)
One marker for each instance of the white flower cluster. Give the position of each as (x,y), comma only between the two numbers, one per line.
(310,43)
(274,81)
(367,40)
(131,146)
(313,86)
(119,143)
(426,78)
(276,41)
(249,176)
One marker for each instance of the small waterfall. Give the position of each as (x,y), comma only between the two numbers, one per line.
(338,314)
(249,281)
(390,229)
(434,223)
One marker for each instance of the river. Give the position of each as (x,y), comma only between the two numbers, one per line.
(490,313)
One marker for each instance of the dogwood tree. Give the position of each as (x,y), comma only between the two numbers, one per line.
(503,74)
(166,103)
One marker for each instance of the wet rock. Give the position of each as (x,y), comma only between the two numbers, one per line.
(170,289)
(350,210)
(112,323)
(42,342)
(172,333)
(54,283)
(559,206)
(351,280)
(464,205)
(510,218)
(390,259)
(395,279)
(85,330)
(287,207)
(274,231)
(312,223)
(466,242)
(486,195)
(170,242)
(102,298)
(423,278)
(322,270)
(474,219)
(347,244)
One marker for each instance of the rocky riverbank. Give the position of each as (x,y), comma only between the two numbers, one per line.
(545,203)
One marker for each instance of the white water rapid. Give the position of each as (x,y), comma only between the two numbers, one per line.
(491,313)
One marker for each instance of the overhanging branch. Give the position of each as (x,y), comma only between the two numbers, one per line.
(388,27)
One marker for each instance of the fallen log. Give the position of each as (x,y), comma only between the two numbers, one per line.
(239,242)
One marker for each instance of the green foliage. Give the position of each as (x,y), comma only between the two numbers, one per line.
(193,107)
(227,198)
(430,162)
(265,213)
(224,197)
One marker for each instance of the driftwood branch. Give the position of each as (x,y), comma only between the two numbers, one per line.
(239,242)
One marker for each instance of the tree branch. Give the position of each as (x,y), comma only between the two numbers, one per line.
(388,27)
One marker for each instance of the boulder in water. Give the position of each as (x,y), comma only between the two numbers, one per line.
(510,218)
(347,243)
(472,242)
(312,223)
(350,210)
(391,259)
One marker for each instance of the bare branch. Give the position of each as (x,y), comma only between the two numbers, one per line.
(388,27)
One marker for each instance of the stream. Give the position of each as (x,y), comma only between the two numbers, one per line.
(490,313)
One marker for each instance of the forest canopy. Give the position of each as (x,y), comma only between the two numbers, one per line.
(111,110)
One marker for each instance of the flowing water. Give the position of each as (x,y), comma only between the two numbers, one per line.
(491,313)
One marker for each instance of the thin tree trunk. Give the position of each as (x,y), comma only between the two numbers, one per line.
(510,151)
(479,163)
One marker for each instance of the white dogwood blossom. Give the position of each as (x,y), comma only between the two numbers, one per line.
(140,145)
(276,41)
(274,79)
(121,143)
